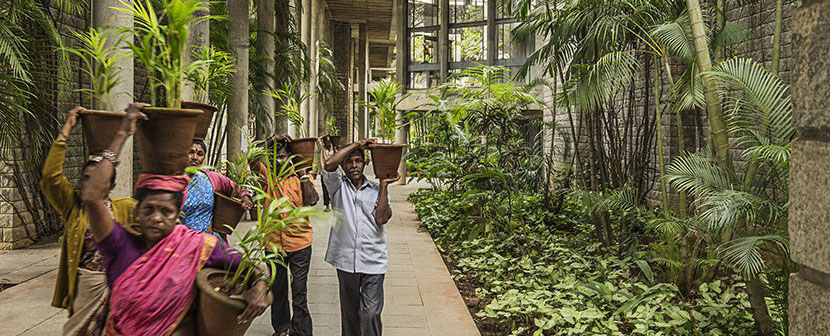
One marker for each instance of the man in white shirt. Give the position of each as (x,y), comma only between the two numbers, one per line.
(357,244)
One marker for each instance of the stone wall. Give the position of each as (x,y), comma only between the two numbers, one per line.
(809,215)
(25,216)
(758,18)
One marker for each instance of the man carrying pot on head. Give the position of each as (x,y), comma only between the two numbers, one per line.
(81,285)
(357,244)
(197,211)
(294,240)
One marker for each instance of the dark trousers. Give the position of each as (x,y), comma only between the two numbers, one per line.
(326,197)
(361,302)
(281,319)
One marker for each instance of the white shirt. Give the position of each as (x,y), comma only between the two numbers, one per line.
(356,243)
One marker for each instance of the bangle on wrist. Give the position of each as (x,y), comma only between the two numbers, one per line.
(110,156)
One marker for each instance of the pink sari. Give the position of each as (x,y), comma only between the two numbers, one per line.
(153,295)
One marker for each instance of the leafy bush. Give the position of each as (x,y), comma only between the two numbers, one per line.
(544,278)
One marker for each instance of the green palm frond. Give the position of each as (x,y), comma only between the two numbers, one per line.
(676,36)
(762,111)
(687,92)
(13,49)
(592,86)
(698,175)
(744,254)
(726,208)
(731,34)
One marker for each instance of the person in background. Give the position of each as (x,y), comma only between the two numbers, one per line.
(295,242)
(325,153)
(197,211)
(81,286)
(357,244)
(152,276)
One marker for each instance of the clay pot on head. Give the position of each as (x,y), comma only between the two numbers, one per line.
(386,158)
(304,151)
(164,139)
(226,211)
(216,313)
(203,126)
(100,127)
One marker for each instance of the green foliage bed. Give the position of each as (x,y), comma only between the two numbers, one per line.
(549,277)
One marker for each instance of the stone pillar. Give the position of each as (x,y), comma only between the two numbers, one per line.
(238,12)
(314,98)
(362,61)
(265,20)
(342,48)
(401,137)
(199,37)
(305,34)
(443,39)
(809,215)
(105,16)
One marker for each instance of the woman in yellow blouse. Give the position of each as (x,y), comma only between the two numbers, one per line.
(81,286)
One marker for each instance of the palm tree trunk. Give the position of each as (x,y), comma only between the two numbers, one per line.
(661,165)
(717,126)
(757,301)
(238,105)
(776,36)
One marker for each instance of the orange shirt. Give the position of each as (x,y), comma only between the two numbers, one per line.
(296,236)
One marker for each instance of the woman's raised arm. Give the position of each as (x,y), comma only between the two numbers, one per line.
(94,194)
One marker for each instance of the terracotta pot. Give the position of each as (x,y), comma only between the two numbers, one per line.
(216,313)
(100,128)
(164,139)
(203,126)
(386,158)
(226,211)
(253,214)
(304,150)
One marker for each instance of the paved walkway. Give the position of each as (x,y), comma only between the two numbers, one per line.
(420,297)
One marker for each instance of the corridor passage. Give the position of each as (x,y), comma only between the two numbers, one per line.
(420,297)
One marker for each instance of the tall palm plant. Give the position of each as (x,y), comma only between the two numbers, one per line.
(751,218)
(31,53)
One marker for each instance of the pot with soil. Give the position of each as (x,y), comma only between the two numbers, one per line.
(304,151)
(203,126)
(100,127)
(386,159)
(217,311)
(164,139)
(226,211)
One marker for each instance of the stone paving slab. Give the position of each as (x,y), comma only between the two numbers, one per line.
(420,296)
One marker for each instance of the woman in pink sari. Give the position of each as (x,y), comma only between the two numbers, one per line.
(152,277)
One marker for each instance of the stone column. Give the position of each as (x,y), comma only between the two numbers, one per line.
(809,215)
(314,98)
(238,106)
(443,39)
(401,137)
(104,16)
(199,37)
(341,48)
(265,20)
(305,34)
(362,61)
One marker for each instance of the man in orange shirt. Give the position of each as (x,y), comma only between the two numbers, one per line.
(295,241)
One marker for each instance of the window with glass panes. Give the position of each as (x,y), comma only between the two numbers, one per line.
(468,25)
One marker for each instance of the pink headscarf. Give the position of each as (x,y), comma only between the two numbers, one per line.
(171,183)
